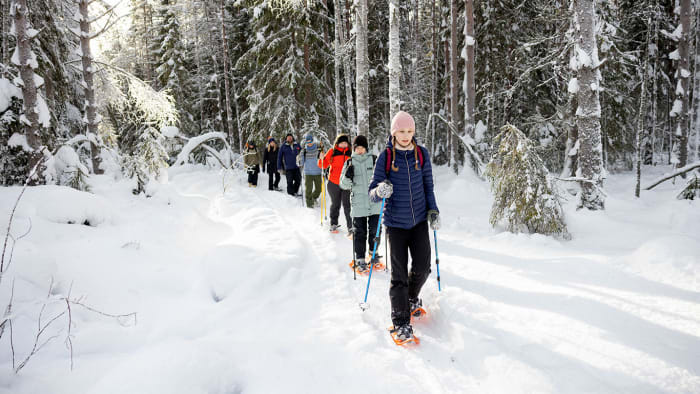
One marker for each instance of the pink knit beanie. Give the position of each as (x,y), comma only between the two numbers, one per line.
(402,120)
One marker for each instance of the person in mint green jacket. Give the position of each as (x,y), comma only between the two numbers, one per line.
(356,177)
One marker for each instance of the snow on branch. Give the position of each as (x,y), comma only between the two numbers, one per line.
(195,142)
(680,171)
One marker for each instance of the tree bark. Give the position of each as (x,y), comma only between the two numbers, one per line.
(469,84)
(227,71)
(26,64)
(642,113)
(362,67)
(453,84)
(347,67)
(338,60)
(588,112)
(682,89)
(89,86)
(394,59)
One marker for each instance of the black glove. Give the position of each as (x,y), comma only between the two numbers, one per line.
(263,168)
(350,172)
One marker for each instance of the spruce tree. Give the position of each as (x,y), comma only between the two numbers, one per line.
(524,199)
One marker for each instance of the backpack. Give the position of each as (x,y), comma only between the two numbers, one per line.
(389,159)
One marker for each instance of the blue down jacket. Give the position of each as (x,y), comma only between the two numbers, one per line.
(413,188)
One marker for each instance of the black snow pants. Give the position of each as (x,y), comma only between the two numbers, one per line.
(339,196)
(362,234)
(405,285)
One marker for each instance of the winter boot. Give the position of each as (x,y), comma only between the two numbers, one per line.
(404,332)
(415,305)
(334,228)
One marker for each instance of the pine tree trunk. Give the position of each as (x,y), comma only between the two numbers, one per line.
(362,58)
(588,112)
(394,59)
(26,73)
(227,72)
(641,114)
(434,71)
(4,34)
(446,77)
(469,84)
(219,99)
(682,91)
(570,161)
(89,86)
(654,93)
(347,68)
(338,60)
(695,113)
(453,85)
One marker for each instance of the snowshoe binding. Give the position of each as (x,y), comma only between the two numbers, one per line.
(416,308)
(361,267)
(403,335)
(334,228)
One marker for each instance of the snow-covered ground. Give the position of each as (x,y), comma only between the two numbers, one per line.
(241,290)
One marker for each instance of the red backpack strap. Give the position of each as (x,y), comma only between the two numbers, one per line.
(420,156)
(388,161)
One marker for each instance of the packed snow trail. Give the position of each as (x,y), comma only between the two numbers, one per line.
(240,290)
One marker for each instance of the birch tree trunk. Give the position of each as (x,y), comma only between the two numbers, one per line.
(469,85)
(26,61)
(89,86)
(682,88)
(588,112)
(641,114)
(453,85)
(394,59)
(362,68)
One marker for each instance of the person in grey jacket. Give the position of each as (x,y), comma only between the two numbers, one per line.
(312,172)
(356,177)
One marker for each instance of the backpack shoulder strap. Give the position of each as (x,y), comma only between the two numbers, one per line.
(420,156)
(388,162)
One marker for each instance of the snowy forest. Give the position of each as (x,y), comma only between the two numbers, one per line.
(127,85)
(564,137)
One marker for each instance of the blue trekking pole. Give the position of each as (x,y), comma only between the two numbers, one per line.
(364,305)
(437,259)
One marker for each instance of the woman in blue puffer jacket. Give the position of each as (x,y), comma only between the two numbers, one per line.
(406,182)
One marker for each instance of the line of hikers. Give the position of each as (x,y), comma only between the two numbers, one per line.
(401,176)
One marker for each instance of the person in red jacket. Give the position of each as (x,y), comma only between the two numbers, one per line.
(335,159)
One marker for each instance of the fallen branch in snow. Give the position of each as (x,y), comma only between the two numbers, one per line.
(680,171)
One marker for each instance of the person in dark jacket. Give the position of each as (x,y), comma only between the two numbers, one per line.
(409,208)
(287,164)
(270,164)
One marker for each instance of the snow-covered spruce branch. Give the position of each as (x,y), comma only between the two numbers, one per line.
(680,171)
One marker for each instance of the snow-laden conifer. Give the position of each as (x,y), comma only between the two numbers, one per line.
(524,199)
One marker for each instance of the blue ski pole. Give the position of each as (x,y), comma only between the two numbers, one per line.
(364,305)
(437,259)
